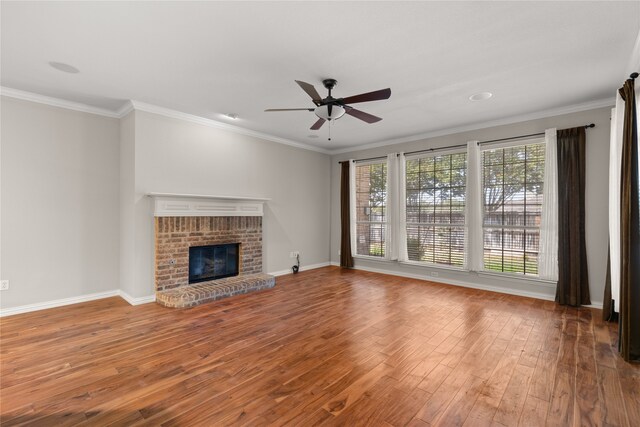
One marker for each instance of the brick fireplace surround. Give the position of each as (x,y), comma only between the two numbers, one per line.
(173,237)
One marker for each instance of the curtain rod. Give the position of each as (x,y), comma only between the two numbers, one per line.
(591,125)
(364,160)
(435,148)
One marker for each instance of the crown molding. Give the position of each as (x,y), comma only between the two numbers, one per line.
(125,109)
(132,105)
(56,102)
(174,114)
(585,106)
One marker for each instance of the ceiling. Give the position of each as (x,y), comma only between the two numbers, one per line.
(212,58)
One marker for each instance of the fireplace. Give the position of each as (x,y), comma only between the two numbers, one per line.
(200,239)
(213,262)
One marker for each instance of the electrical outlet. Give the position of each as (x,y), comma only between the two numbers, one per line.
(339,252)
(293,254)
(4,285)
(434,274)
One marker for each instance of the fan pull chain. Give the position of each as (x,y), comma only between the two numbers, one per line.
(330,125)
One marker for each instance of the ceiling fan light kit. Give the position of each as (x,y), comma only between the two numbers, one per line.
(323,112)
(331,108)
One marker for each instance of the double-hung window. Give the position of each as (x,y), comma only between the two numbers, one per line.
(435,208)
(371,208)
(499,230)
(512,184)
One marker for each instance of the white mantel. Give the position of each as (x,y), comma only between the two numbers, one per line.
(172,204)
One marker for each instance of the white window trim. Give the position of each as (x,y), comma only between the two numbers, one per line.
(382,159)
(484,271)
(373,258)
(448,268)
(430,265)
(353,206)
(518,276)
(418,156)
(435,153)
(509,144)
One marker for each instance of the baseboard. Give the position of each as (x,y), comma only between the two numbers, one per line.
(57,303)
(460,283)
(151,298)
(75,300)
(136,300)
(596,304)
(302,268)
(537,295)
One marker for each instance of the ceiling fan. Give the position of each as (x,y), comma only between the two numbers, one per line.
(331,108)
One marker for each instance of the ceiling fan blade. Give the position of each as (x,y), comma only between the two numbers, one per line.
(317,125)
(369,96)
(289,109)
(366,117)
(311,91)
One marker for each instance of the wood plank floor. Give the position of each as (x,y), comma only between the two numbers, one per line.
(324,347)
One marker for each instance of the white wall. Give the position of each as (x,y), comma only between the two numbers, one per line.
(176,156)
(596,202)
(59,184)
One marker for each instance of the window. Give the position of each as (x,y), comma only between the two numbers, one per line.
(435,189)
(512,182)
(371,209)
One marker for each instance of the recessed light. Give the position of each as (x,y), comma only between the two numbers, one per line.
(233,116)
(65,68)
(482,96)
(312,136)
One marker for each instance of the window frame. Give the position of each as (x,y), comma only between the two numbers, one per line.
(436,225)
(501,146)
(385,223)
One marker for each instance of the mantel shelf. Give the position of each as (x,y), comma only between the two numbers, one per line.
(206,196)
(171,204)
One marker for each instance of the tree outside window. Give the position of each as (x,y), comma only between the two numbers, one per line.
(371,206)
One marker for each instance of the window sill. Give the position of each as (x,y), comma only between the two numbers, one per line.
(372,258)
(519,277)
(504,276)
(434,266)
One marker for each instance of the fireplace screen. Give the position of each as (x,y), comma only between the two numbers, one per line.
(213,262)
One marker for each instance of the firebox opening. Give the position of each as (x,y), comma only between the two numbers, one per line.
(213,262)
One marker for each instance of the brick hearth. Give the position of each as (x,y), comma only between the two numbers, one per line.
(199,293)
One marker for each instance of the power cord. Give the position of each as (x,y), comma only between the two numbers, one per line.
(296,267)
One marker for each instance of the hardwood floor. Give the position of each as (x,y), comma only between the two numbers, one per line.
(324,347)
